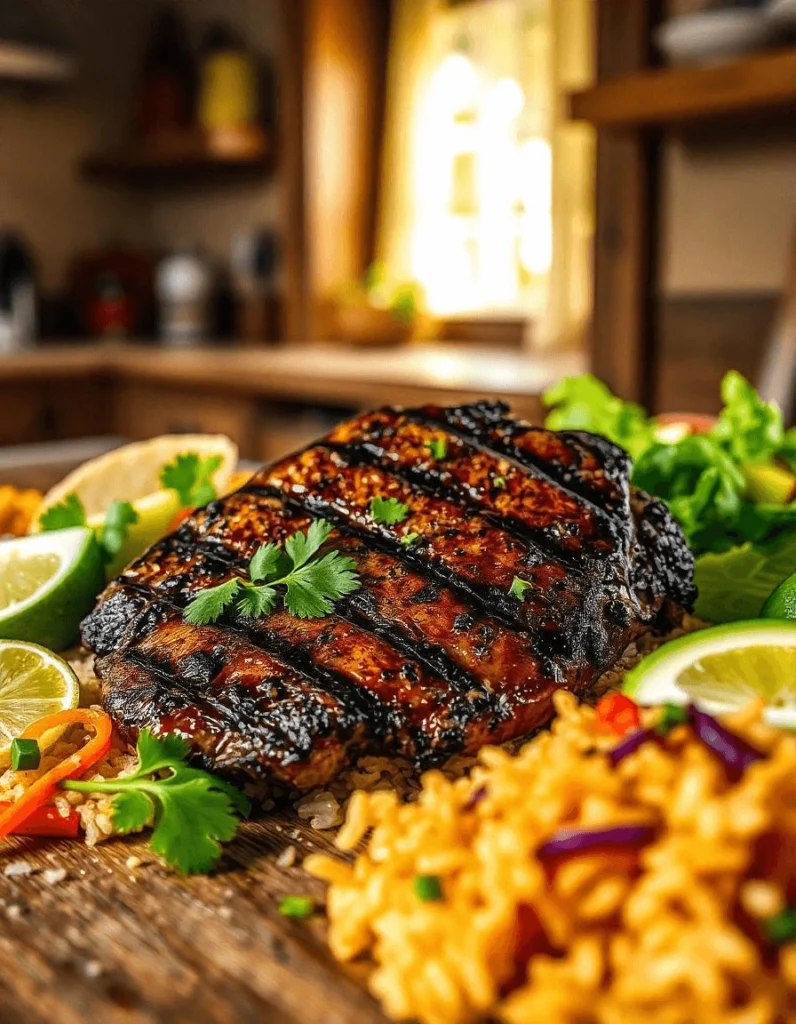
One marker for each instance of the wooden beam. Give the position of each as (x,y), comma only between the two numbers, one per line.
(623,346)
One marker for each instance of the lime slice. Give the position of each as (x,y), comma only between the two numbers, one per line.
(722,668)
(782,602)
(48,582)
(132,473)
(33,683)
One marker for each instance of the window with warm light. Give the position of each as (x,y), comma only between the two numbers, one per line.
(478,206)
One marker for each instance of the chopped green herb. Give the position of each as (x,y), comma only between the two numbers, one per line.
(518,588)
(191,476)
(191,812)
(25,755)
(782,928)
(311,585)
(298,907)
(438,446)
(119,517)
(388,511)
(428,888)
(66,513)
(672,715)
(409,538)
(499,481)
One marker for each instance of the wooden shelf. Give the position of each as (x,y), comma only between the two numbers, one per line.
(767,80)
(178,157)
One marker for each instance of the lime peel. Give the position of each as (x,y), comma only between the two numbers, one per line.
(723,668)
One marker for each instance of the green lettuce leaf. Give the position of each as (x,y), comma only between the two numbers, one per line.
(734,585)
(749,429)
(585,403)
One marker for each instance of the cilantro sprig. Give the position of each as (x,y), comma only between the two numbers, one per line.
(191,476)
(518,588)
(119,517)
(388,511)
(190,811)
(311,584)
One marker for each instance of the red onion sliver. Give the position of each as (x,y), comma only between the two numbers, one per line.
(574,840)
(735,753)
(629,744)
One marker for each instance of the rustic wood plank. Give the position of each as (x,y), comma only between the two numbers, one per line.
(765,80)
(145,946)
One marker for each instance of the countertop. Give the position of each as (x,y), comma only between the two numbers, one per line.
(311,370)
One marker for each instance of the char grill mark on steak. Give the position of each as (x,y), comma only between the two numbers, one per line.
(531,505)
(432,655)
(244,708)
(461,546)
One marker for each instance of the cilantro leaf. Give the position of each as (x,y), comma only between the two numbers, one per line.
(209,604)
(499,482)
(438,446)
(302,546)
(66,513)
(120,516)
(388,511)
(132,811)
(518,588)
(192,812)
(409,538)
(311,584)
(312,588)
(256,601)
(191,476)
(265,563)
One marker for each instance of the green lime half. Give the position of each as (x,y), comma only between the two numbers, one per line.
(782,602)
(48,582)
(722,668)
(33,683)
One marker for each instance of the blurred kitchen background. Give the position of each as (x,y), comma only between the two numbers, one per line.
(255,216)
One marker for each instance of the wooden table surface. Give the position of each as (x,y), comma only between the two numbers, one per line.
(113,945)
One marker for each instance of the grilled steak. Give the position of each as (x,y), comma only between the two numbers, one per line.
(433,654)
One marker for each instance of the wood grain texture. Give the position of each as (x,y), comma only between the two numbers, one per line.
(765,80)
(625,249)
(109,944)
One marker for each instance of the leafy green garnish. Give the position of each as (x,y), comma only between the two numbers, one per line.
(707,480)
(388,511)
(118,519)
(190,811)
(585,403)
(191,476)
(428,888)
(438,446)
(518,588)
(409,538)
(499,481)
(111,536)
(300,908)
(734,585)
(311,584)
(64,514)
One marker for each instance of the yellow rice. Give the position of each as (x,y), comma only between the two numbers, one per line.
(662,943)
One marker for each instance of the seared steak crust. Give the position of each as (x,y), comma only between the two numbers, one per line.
(432,655)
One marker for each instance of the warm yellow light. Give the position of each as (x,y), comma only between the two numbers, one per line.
(455,83)
(508,98)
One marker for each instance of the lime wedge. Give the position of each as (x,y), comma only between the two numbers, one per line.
(33,683)
(782,602)
(722,668)
(48,582)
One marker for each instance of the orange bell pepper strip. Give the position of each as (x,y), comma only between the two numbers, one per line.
(47,821)
(43,789)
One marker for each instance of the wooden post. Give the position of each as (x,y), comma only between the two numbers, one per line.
(626,243)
